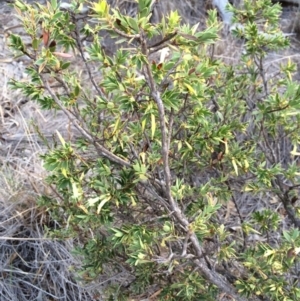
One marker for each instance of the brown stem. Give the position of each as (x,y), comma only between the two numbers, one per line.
(211,275)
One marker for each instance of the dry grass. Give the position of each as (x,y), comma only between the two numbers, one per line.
(31,266)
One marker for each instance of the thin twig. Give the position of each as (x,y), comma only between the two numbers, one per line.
(103,151)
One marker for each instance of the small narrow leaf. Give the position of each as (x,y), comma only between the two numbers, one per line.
(235,166)
(153,126)
(62,54)
(62,140)
(103,202)
(294,151)
(190,88)
(82,208)
(188,145)
(75,189)
(143,124)
(92,201)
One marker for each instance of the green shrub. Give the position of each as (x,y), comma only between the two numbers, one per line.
(166,145)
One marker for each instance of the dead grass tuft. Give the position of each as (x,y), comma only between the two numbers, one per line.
(32,267)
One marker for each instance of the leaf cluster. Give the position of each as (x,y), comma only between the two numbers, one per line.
(169,137)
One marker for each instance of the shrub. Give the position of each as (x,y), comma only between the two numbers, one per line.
(183,178)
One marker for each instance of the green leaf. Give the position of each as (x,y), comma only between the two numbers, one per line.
(144,7)
(54,5)
(133,24)
(36,43)
(77,90)
(58,15)
(21,5)
(101,8)
(65,65)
